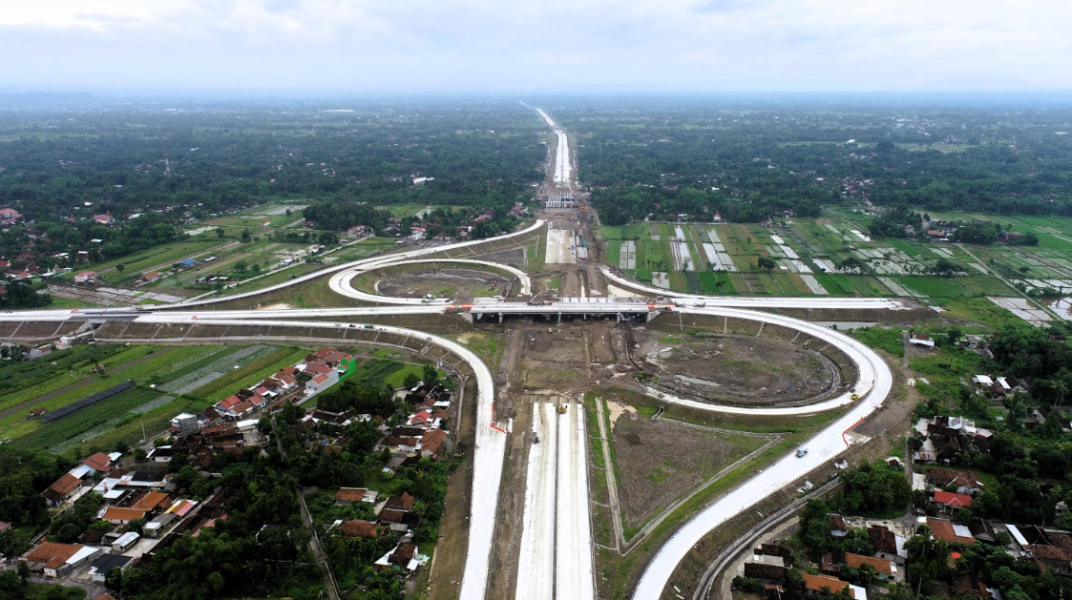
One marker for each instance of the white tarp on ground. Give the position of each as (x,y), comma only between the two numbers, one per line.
(813,285)
(712,256)
(895,287)
(1022,308)
(723,257)
(627,255)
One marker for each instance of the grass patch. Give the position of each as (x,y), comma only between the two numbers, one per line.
(880,338)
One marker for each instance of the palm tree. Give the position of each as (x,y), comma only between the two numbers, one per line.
(1059,388)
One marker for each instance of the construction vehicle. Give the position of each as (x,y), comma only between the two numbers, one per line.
(561,409)
(801,452)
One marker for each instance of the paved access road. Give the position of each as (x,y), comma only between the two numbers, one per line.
(875,378)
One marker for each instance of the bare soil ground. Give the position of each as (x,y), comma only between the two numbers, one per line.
(514,258)
(756,371)
(660,461)
(458,284)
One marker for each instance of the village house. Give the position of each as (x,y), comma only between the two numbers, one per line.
(101,462)
(348,496)
(86,277)
(950,532)
(887,544)
(402,556)
(965,482)
(61,490)
(359,529)
(814,584)
(431,444)
(9,216)
(105,219)
(838,526)
(104,563)
(920,340)
(121,516)
(57,560)
(396,509)
(884,569)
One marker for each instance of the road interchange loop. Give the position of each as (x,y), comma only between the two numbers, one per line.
(874,382)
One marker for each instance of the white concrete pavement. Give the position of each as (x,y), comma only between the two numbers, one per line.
(536,564)
(822,448)
(490,445)
(340,282)
(574,577)
(563,168)
(366,262)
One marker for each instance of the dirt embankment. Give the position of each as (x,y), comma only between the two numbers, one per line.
(459,284)
(743,370)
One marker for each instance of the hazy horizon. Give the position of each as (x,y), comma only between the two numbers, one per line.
(348,47)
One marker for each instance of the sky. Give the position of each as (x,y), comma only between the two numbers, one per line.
(554,46)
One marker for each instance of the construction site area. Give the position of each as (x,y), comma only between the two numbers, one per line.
(462,285)
(586,439)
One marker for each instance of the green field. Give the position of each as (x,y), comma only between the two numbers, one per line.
(156,372)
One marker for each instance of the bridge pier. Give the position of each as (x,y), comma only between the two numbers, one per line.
(500,318)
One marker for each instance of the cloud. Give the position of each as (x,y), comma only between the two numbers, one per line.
(552,45)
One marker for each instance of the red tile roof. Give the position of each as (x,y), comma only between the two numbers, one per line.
(817,582)
(943,530)
(880,566)
(114,513)
(150,501)
(51,554)
(99,462)
(403,502)
(953,500)
(350,494)
(359,529)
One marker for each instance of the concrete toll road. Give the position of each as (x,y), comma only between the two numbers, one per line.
(536,567)
(556,544)
(574,577)
(563,168)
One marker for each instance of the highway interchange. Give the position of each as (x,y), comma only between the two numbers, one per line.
(872,386)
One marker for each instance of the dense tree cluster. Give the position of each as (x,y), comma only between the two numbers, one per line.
(892,222)
(752,158)
(212,157)
(22,294)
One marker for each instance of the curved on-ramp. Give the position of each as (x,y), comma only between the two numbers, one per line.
(365,262)
(874,384)
(490,445)
(340,282)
